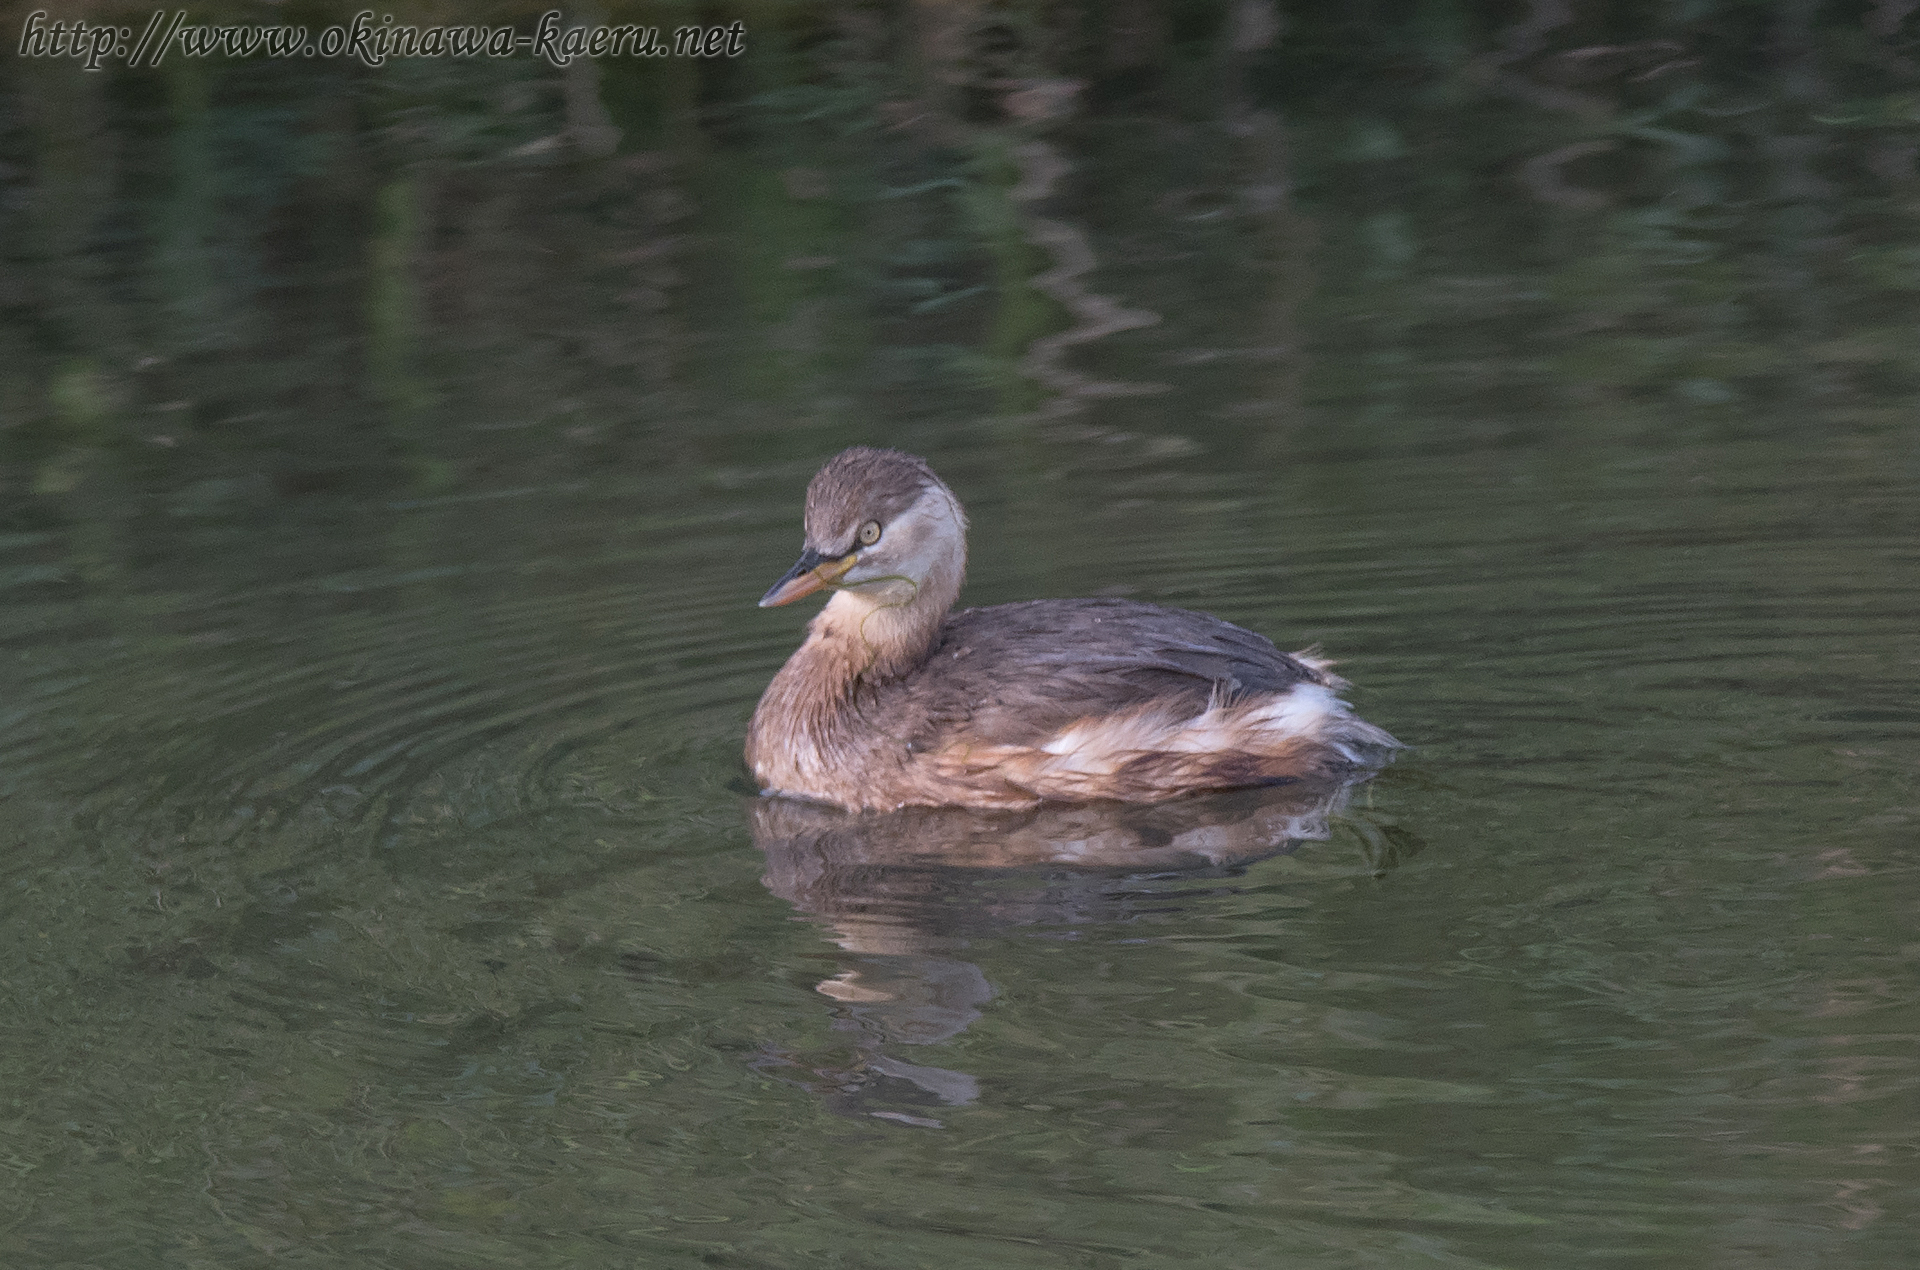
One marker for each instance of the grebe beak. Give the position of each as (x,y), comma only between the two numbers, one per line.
(810,573)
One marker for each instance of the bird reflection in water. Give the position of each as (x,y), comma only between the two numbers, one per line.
(904,892)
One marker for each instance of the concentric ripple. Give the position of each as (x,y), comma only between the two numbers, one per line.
(398,885)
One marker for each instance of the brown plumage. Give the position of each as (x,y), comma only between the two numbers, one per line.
(892,701)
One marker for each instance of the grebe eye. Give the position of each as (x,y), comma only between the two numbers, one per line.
(869,533)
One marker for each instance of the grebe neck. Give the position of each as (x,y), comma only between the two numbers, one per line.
(883,632)
(871,636)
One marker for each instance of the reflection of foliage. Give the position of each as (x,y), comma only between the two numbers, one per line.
(1637,206)
(461,112)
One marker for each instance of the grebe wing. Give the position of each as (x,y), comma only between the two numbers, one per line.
(1015,672)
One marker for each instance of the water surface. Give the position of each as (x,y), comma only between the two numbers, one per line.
(383,885)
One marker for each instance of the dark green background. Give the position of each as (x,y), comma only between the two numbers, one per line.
(390,459)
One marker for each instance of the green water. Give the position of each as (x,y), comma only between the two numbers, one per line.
(379,539)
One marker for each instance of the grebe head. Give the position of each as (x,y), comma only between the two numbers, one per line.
(882,528)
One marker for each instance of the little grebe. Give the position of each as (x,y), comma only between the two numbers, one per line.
(893,701)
